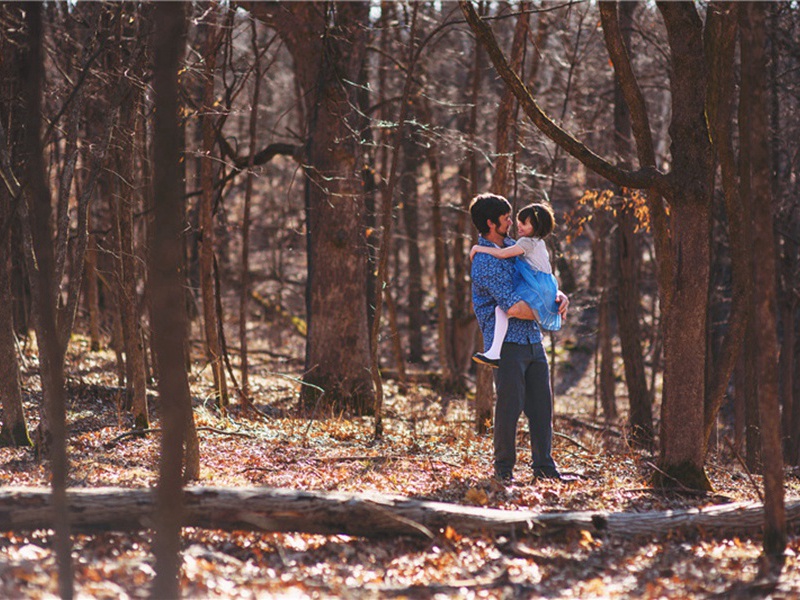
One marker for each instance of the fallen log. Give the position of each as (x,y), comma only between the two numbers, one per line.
(367,515)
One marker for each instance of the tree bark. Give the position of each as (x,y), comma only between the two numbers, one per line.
(244,293)
(366,515)
(328,44)
(750,348)
(443,323)
(170,326)
(51,355)
(721,31)
(409,197)
(754,67)
(92,292)
(484,377)
(207,168)
(15,429)
(628,254)
(608,399)
(128,298)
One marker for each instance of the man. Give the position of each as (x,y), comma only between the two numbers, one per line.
(522,377)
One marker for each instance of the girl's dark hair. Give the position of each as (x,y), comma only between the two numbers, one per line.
(488,207)
(540,216)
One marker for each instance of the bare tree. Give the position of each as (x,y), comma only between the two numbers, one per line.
(752,17)
(328,44)
(51,356)
(640,415)
(211,321)
(169,316)
(15,428)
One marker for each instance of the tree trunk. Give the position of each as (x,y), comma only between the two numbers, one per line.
(394,332)
(754,69)
(484,376)
(640,414)
(207,170)
(409,197)
(750,373)
(328,44)
(128,304)
(369,515)
(244,293)
(788,364)
(53,440)
(721,26)
(682,415)
(170,326)
(92,293)
(443,324)
(15,429)
(608,399)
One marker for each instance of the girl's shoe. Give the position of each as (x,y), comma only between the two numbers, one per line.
(482,359)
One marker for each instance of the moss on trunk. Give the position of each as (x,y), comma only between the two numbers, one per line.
(15,437)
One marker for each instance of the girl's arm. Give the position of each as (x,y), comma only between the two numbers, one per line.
(507,252)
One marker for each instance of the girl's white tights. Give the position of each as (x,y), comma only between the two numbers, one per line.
(500,328)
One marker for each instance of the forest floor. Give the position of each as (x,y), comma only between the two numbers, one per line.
(429,451)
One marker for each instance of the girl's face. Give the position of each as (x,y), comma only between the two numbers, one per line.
(525,229)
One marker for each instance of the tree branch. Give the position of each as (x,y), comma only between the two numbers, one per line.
(646,177)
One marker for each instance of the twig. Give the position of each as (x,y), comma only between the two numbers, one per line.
(746,470)
(142,432)
(593,426)
(573,441)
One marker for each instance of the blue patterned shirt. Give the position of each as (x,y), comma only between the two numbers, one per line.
(492,285)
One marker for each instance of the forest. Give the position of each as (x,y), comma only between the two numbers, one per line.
(237,317)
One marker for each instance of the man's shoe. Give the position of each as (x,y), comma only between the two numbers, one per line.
(504,478)
(482,359)
(554,475)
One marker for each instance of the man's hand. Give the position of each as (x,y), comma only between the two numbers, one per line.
(563,304)
(521,310)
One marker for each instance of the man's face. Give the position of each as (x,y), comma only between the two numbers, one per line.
(503,225)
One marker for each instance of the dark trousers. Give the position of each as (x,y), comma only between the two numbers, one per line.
(523,384)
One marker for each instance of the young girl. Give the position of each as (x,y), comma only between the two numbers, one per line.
(533,281)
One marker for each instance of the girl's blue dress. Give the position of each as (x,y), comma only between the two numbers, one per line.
(538,290)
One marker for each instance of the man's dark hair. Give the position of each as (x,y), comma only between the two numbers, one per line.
(540,216)
(488,207)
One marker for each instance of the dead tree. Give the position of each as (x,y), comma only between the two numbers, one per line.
(369,515)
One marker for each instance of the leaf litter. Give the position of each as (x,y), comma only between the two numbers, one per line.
(429,450)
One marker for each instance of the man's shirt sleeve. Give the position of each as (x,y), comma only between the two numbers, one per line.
(494,277)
